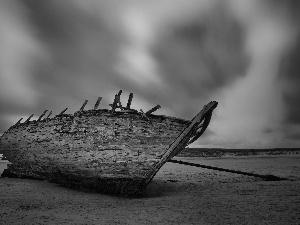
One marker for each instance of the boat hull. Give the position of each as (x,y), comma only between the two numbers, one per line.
(94,149)
(111,152)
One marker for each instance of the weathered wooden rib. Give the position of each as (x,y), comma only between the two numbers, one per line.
(28,119)
(129,100)
(83,105)
(117,102)
(144,116)
(62,112)
(110,151)
(97,103)
(17,123)
(41,116)
(153,109)
(49,114)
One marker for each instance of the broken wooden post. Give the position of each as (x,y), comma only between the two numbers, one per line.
(145,116)
(17,123)
(118,99)
(153,109)
(41,116)
(116,102)
(114,105)
(28,118)
(97,103)
(49,115)
(62,112)
(83,105)
(129,100)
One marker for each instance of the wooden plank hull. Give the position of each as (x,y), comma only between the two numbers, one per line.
(109,152)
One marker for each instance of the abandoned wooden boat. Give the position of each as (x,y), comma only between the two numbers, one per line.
(115,151)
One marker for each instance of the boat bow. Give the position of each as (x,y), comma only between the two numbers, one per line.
(191,133)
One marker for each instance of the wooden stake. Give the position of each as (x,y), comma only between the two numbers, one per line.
(62,112)
(42,115)
(84,104)
(145,116)
(129,100)
(49,115)
(114,105)
(153,109)
(97,103)
(17,123)
(28,118)
(117,102)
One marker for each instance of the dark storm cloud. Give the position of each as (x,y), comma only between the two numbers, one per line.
(79,51)
(202,55)
(20,51)
(290,75)
(81,47)
(180,54)
(255,103)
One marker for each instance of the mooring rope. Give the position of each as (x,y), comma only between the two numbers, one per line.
(266,177)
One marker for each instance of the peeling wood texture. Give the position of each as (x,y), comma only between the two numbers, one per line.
(111,152)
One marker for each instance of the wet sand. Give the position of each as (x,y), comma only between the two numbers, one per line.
(178,194)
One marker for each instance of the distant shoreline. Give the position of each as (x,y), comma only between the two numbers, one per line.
(221,152)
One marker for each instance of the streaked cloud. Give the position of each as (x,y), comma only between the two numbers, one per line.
(180,54)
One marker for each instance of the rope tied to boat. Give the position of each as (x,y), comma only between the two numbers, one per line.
(267,177)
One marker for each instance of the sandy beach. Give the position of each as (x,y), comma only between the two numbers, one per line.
(178,194)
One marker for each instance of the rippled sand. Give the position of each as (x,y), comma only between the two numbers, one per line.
(178,194)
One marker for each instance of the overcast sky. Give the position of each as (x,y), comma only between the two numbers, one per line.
(180,54)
